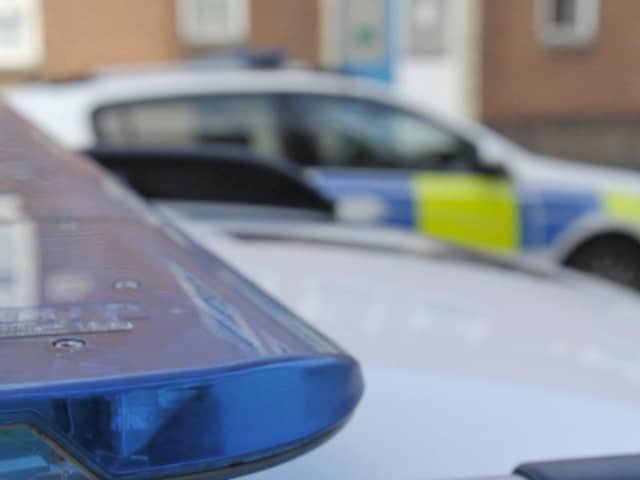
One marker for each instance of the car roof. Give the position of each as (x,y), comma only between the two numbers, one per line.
(153,82)
(422,269)
(485,354)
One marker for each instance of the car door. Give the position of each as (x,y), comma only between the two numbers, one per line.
(402,169)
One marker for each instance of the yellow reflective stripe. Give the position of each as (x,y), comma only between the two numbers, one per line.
(473,211)
(622,206)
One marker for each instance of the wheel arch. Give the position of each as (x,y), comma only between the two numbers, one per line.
(593,231)
(600,237)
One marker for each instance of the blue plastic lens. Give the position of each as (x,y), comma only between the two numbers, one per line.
(24,456)
(197,422)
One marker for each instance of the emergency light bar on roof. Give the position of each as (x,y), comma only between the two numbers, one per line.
(132,353)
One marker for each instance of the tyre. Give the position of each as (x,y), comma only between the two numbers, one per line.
(613,257)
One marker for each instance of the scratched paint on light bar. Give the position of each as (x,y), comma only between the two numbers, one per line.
(221,317)
(280,314)
(68,319)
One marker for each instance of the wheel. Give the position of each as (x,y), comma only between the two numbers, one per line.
(614,257)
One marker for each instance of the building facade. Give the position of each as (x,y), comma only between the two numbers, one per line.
(426,49)
(563,76)
(63,39)
(437,63)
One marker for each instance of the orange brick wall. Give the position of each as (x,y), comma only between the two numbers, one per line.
(292,24)
(521,78)
(83,34)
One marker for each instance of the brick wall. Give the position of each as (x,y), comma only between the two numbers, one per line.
(607,140)
(292,24)
(520,77)
(583,103)
(80,35)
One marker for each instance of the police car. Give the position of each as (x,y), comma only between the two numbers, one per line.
(127,351)
(370,150)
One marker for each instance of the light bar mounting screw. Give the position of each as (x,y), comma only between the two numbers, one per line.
(69,344)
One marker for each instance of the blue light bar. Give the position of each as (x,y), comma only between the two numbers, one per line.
(129,352)
(151,427)
(210,374)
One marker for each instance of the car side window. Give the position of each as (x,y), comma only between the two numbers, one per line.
(246,120)
(351,132)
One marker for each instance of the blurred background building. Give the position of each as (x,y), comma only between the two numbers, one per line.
(558,76)
(562,76)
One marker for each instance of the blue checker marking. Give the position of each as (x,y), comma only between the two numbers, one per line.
(394,189)
(545,215)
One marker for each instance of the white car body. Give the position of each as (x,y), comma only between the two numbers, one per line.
(65,111)
(471,367)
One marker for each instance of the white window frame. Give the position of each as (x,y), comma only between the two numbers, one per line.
(194,33)
(582,33)
(27,53)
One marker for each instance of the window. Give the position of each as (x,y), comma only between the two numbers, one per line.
(20,34)
(349,132)
(568,23)
(246,120)
(209,22)
(427,19)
